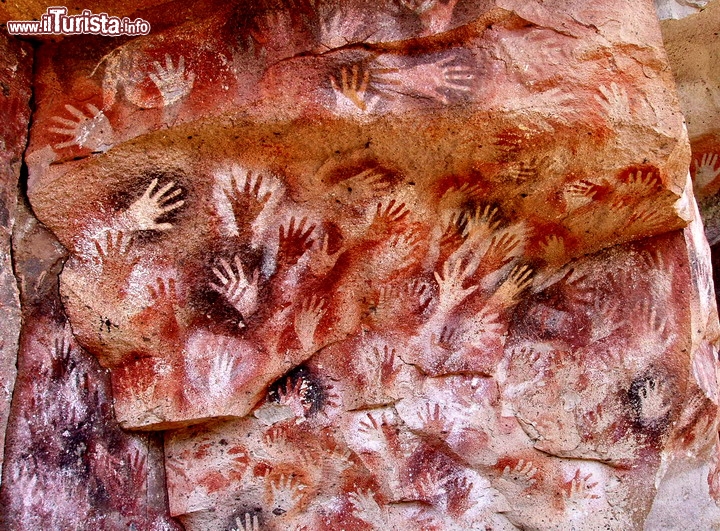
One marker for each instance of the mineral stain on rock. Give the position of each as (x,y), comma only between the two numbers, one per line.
(396,265)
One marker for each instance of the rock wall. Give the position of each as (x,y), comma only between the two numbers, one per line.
(363,265)
(677,9)
(67,463)
(693,53)
(15,82)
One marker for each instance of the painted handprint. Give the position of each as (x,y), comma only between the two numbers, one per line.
(706,169)
(388,369)
(92,132)
(419,292)
(138,471)
(273,33)
(351,90)
(25,479)
(553,249)
(62,362)
(339,27)
(459,501)
(144,213)
(435,15)
(580,488)
(433,421)
(653,403)
(294,393)
(368,183)
(521,172)
(115,256)
(431,484)
(456,271)
(519,280)
(522,474)
(444,79)
(164,296)
(580,193)
(646,218)
(452,236)
(294,241)
(285,493)
(174,83)
(482,329)
(247,522)
(221,371)
(321,259)
(641,182)
(236,288)
(378,434)
(387,305)
(115,247)
(446,339)
(394,254)
(596,420)
(248,196)
(482,222)
(457,196)
(500,252)
(366,508)
(615,102)
(307,320)
(387,215)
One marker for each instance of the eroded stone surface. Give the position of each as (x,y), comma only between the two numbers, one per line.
(15,80)
(566,430)
(68,465)
(693,53)
(408,265)
(320,159)
(676,9)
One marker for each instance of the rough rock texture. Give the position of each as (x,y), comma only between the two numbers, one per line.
(694,54)
(15,83)
(316,155)
(68,465)
(676,9)
(368,265)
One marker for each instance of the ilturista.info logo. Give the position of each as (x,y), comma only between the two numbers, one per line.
(56,21)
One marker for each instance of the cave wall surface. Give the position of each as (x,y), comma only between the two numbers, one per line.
(314,264)
(15,83)
(678,9)
(694,55)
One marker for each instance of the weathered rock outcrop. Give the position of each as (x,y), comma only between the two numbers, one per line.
(693,51)
(400,265)
(677,9)
(15,82)
(67,464)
